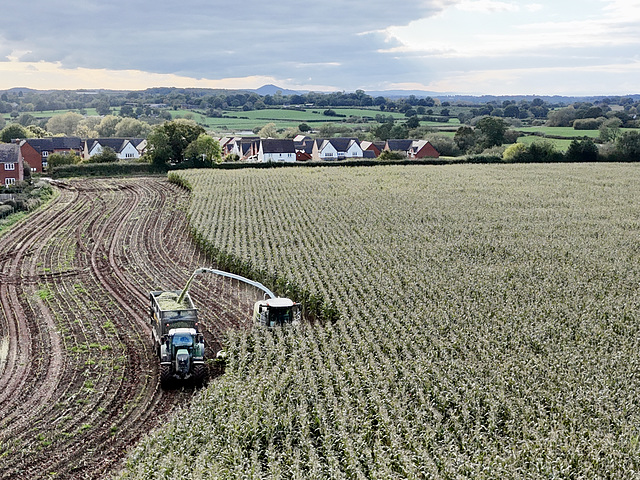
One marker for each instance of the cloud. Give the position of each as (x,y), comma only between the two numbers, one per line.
(210,39)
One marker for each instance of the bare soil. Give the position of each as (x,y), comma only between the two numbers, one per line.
(79,381)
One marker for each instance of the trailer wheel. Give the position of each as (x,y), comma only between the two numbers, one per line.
(165,375)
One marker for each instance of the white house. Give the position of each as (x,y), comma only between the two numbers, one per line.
(337,149)
(276,150)
(125,149)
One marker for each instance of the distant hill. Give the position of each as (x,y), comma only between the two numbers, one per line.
(273,89)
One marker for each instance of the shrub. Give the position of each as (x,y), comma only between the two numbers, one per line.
(587,123)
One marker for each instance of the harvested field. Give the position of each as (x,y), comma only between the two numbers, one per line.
(79,378)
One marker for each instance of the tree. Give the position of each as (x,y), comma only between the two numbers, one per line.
(268,131)
(610,130)
(465,138)
(628,145)
(103,108)
(26,119)
(13,130)
(563,117)
(204,151)
(168,142)
(65,124)
(492,131)
(413,122)
(131,127)
(582,151)
(303,127)
(105,156)
(107,126)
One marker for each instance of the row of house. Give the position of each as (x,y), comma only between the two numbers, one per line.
(303,148)
(35,151)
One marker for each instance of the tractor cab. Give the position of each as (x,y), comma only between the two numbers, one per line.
(276,312)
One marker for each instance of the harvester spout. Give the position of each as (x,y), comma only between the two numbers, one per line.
(201,270)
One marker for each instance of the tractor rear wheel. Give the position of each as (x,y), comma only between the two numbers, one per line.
(165,375)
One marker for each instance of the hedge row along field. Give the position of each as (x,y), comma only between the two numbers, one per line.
(489,326)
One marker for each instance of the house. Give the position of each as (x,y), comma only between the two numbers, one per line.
(35,151)
(276,150)
(11,164)
(375,147)
(304,148)
(124,147)
(412,148)
(336,149)
(245,147)
(422,149)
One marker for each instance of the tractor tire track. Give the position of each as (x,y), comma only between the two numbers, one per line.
(77,366)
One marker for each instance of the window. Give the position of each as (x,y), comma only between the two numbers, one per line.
(9,166)
(33,169)
(9,181)
(44,164)
(45,154)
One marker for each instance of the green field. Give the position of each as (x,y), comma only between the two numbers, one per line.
(562,145)
(489,325)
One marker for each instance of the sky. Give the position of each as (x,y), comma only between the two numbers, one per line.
(473,47)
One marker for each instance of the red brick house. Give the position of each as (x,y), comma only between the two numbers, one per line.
(36,150)
(413,148)
(11,166)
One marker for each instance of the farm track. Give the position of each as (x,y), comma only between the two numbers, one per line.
(78,374)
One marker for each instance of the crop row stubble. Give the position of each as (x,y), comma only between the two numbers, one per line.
(489,326)
(78,374)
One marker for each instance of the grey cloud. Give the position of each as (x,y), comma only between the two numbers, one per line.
(194,37)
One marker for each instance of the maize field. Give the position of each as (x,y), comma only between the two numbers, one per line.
(489,326)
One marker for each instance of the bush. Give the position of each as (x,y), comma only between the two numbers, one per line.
(513,152)
(107,155)
(392,155)
(587,123)
(5,210)
(58,159)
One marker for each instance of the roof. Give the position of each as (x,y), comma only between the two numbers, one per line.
(115,144)
(368,154)
(55,143)
(400,145)
(342,144)
(279,302)
(9,153)
(278,145)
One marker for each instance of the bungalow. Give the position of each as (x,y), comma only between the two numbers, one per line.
(276,150)
(336,149)
(35,151)
(124,147)
(11,164)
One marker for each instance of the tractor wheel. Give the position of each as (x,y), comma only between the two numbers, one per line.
(165,376)
(200,374)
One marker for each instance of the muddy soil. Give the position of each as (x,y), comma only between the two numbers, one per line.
(79,381)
